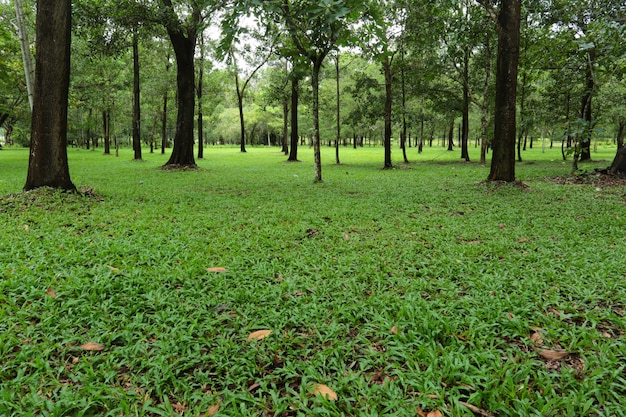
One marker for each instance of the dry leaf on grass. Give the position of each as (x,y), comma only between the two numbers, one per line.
(553,354)
(50,291)
(259,334)
(212,410)
(112,268)
(179,408)
(324,391)
(422,413)
(394,330)
(216,269)
(92,346)
(536,338)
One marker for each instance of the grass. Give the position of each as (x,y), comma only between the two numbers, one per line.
(405,291)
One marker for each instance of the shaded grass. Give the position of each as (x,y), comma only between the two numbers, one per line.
(398,289)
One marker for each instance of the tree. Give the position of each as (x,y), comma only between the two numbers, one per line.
(183,35)
(508,26)
(48,165)
(255,60)
(316,28)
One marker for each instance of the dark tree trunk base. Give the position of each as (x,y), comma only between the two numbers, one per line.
(182,167)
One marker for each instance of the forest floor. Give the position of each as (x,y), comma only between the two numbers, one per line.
(243,288)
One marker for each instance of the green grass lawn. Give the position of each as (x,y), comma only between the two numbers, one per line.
(407,292)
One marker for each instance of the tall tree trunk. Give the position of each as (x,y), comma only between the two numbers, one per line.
(47,164)
(136,97)
(466,105)
(184,45)
(164,114)
(315,83)
(199,93)
(27,57)
(585,112)
(285,135)
(338,110)
(106,131)
(388,103)
(295,81)
(503,156)
(242,124)
(403,135)
(451,136)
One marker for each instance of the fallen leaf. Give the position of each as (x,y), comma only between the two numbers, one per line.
(523,240)
(50,291)
(536,338)
(181,408)
(26,227)
(212,410)
(253,387)
(216,269)
(92,346)
(553,354)
(112,268)
(420,412)
(394,330)
(435,413)
(501,225)
(324,391)
(259,334)
(346,236)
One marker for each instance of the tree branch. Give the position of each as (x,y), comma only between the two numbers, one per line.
(492,12)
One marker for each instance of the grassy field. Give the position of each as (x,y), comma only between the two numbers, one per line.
(418,291)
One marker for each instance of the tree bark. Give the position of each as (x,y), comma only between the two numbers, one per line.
(315,83)
(47,164)
(338,110)
(184,45)
(618,167)
(621,131)
(199,94)
(466,105)
(388,103)
(503,155)
(106,131)
(293,152)
(585,112)
(136,97)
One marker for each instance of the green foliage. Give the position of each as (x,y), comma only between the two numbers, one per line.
(398,289)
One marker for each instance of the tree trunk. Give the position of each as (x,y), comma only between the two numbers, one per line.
(295,81)
(136,102)
(285,146)
(503,156)
(618,167)
(199,93)
(47,164)
(388,103)
(585,112)
(451,136)
(106,131)
(315,83)
(27,57)
(242,124)
(338,110)
(621,131)
(403,135)
(184,46)
(466,105)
